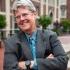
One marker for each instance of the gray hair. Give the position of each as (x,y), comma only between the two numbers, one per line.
(24,3)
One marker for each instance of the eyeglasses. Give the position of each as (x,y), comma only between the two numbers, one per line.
(23,15)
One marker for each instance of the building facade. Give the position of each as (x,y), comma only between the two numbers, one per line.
(65,9)
(56,9)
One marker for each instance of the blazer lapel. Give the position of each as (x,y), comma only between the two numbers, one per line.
(25,46)
(41,44)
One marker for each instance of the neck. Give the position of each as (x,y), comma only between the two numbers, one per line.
(30,32)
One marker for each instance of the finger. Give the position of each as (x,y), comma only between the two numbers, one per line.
(50,56)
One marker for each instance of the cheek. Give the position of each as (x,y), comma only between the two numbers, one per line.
(18,22)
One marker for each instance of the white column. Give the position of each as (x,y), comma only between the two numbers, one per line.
(59,11)
(55,11)
(46,7)
(41,10)
(8,13)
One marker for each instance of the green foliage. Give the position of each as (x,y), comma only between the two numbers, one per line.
(44,20)
(58,32)
(0,36)
(2,21)
(65,23)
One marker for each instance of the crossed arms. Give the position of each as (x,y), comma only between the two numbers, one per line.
(56,61)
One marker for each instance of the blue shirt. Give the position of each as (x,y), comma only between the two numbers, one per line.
(32,43)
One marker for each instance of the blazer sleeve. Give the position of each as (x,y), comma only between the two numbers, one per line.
(60,60)
(10,58)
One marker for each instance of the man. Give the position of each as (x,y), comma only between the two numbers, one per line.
(32,48)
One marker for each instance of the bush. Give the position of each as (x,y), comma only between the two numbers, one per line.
(66,24)
(58,32)
(2,21)
(57,25)
(44,20)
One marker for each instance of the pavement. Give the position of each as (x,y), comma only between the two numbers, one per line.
(1,57)
(65,41)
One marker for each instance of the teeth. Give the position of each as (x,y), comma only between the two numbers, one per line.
(24,22)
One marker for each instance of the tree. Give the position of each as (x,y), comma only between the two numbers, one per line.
(44,20)
(66,24)
(2,21)
(57,27)
(2,25)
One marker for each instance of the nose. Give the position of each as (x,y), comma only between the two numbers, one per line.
(22,18)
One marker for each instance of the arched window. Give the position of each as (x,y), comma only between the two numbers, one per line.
(51,15)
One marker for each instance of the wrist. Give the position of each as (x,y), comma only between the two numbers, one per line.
(22,65)
(27,64)
(32,63)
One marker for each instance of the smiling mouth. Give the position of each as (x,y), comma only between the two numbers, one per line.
(24,22)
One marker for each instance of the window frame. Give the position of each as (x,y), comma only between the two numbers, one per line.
(63,13)
(63,2)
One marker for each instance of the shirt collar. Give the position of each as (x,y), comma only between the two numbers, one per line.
(33,36)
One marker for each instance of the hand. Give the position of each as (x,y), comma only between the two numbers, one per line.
(22,64)
(50,56)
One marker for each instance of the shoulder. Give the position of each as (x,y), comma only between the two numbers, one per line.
(46,32)
(12,38)
(16,37)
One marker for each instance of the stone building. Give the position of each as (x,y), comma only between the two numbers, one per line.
(56,9)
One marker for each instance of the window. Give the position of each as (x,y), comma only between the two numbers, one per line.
(63,2)
(0,5)
(63,13)
(57,3)
(44,1)
(37,9)
(38,0)
(15,24)
(51,15)
(51,2)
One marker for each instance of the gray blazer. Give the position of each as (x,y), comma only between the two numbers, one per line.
(17,49)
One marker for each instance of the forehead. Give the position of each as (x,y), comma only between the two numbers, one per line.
(21,9)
